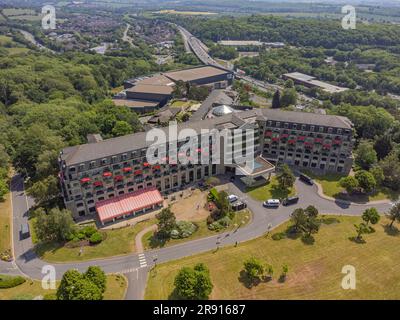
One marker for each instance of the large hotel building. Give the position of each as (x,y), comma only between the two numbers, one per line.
(113,178)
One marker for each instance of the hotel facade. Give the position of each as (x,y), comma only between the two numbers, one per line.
(114,179)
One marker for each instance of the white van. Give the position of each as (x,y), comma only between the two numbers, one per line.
(272,203)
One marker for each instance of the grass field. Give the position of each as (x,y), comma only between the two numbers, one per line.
(116,287)
(270,191)
(330,185)
(241,218)
(12,47)
(5,224)
(17,12)
(117,242)
(314,270)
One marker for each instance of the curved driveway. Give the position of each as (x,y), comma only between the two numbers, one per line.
(133,264)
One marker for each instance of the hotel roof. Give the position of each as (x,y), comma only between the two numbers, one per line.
(109,147)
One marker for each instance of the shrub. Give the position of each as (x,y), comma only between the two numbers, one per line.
(81,236)
(225,221)
(96,238)
(10,281)
(185,228)
(278,236)
(89,231)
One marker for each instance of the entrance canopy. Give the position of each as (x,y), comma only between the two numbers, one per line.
(129,203)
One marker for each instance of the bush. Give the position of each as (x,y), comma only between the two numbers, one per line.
(89,231)
(186,228)
(220,224)
(81,236)
(96,238)
(278,236)
(10,281)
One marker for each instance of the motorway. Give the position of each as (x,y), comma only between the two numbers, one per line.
(135,266)
(199,49)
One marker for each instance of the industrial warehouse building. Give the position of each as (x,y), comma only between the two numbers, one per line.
(151,93)
(312,82)
(112,178)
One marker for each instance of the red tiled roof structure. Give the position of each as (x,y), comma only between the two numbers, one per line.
(128,203)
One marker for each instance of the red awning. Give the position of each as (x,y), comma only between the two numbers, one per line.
(97,183)
(107,174)
(146,164)
(128,203)
(137,172)
(127,169)
(156,167)
(85,180)
(118,178)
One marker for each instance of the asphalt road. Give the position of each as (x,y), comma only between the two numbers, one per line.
(135,266)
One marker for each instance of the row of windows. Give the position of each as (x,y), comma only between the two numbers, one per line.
(306,127)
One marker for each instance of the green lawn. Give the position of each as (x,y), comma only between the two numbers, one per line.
(314,270)
(116,288)
(240,218)
(330,185)
(5,224)
(270,191)
(117,242)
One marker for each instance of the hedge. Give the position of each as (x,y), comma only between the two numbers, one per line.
(10,281)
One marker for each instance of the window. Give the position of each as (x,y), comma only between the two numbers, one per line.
(321,129)
(312,128)
(104,161)
(330,130)
(82,167)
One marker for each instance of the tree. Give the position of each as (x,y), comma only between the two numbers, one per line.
(254,268)
(222,203)
(383,145)
(299,218)
(288,98)
(377,173)
(391,170)
(276,104)
(286,177)
(349,183)
(84,289)
(311,211)
(285,270)
(4,158)
(58,225)
(166,222)
(394,214)
(44,190)
(361,229)
(121,128)
(3,189)
(65,290)
(87,286)
(371,215)
(289,84)
(366,156)
(365,180)
(193,283)
(97,276)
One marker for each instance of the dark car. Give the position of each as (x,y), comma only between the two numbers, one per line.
(24,232)
(306,179)
(290,200)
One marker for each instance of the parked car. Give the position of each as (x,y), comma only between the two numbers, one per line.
(24,232)
(290,200)
(238,205)
(232,198)
(272,203)
(306,179)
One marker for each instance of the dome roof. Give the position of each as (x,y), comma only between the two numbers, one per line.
(222,110)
